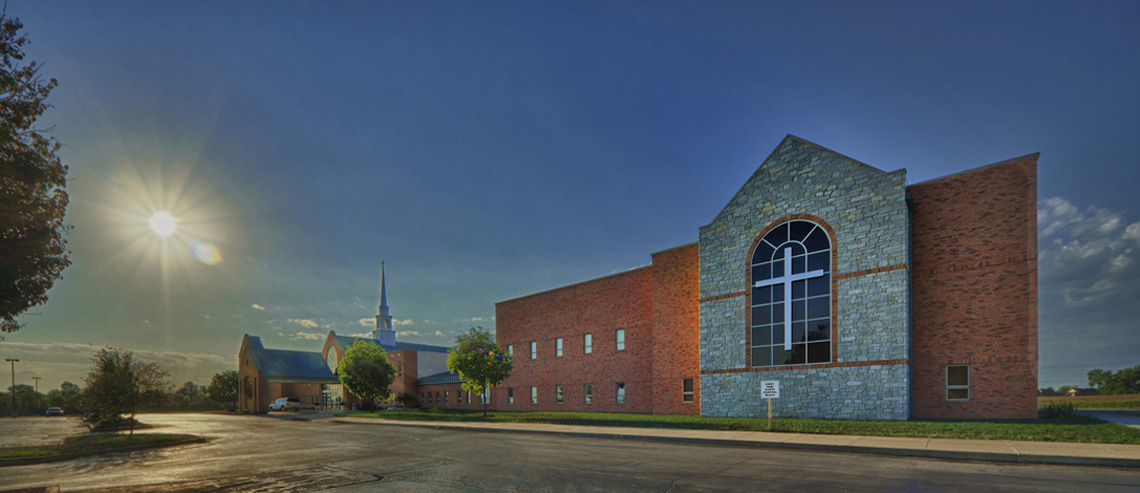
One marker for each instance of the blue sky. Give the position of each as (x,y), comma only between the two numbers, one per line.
(490,150)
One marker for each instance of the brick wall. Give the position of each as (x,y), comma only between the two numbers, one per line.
(676,329)
(974,250)
(598,307)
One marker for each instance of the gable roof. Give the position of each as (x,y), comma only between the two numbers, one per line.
(283,365)
(445,377)
(346,341)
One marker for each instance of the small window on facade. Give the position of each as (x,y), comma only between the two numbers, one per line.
(558,347)
(510,395)
(621,392)
(446,397)
(487,396)
(686,390)
(621,339)
(533,350)
(437,397)
(588,391)
(400,371)
(558,394)
(589,344)
(468,397)
(510,350)
(534,395)
(958,383)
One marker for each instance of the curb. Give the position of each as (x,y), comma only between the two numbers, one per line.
(23,461)
(963,455)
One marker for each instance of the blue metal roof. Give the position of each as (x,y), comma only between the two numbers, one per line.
(438,378)
(348,341)
(280,365)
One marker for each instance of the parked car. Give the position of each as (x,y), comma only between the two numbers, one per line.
(54,411)
(286,404)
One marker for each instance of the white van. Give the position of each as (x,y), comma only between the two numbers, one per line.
(286,404)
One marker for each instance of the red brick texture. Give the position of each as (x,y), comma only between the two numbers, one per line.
(655,305)
(598,307)
(676,329)
(974,255)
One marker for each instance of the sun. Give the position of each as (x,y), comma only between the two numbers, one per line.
(163,224)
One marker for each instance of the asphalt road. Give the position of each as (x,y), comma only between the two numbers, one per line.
(248,453)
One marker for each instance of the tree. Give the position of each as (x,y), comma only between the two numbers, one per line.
(365,371)
(66,396)
(118,384)
(223,389)
(479,361)
(1126,381)
(33,250)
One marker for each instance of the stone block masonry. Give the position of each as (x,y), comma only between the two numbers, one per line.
(864,210)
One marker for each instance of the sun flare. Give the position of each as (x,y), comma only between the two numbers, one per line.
(163,224)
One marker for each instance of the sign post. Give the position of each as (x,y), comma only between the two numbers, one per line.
(770,389)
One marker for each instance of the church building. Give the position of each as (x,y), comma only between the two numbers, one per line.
(864,296)
(265,375)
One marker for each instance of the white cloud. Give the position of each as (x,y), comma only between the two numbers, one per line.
(307,323)
(1086,257)
(474,319)
(439,333)
(362,334)
(406,321)
(408,333)
(306,336)
(257,307)
(367,322)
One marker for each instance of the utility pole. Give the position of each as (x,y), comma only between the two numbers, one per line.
(37,379)
(13,361)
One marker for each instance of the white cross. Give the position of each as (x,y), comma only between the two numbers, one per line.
(787,279)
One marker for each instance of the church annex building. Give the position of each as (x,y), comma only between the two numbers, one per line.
(865,297)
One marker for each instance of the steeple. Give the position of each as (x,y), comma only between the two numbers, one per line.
(384,334)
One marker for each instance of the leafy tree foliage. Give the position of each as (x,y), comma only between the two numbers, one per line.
(223,389)
(67,396)
(1126,381)
(479,361)
(118,384)
(33,249)
(365,371)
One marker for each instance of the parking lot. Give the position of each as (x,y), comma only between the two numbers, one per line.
(28,431)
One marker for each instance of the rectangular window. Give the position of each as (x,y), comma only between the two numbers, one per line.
(621,339)
(485,398)
(686,390)
(534,395)
(558,394)
(558,347)
(437,397)
(510,350)
(621,392)
(510,395)
(469,397)
(533,350)
(446,396)
(588,344)
(588,391)
(958,383)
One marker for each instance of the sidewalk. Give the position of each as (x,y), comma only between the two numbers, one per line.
(1092,454)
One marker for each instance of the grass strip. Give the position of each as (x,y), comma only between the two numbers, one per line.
(1070,429)
(93,444)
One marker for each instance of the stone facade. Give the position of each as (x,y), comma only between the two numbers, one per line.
(864,210)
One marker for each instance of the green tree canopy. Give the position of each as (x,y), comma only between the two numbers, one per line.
(480,362)
(365,371)
(33,250)
(1126,381)
(223,388)
(118,384)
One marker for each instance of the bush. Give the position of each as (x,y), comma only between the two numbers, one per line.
(1058,410)
(408,400)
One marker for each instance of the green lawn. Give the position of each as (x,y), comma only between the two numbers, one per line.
(1072,429)
(94,444)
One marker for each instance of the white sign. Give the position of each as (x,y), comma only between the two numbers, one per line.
(770,389)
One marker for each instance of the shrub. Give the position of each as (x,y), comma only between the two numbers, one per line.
(1058,410)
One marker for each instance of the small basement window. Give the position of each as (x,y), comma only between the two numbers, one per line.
(958,383)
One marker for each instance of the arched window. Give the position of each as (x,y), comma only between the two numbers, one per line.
(791,296)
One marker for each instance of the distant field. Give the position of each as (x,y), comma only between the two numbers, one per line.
(1124,401)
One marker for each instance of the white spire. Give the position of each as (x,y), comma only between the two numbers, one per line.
(384,333)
